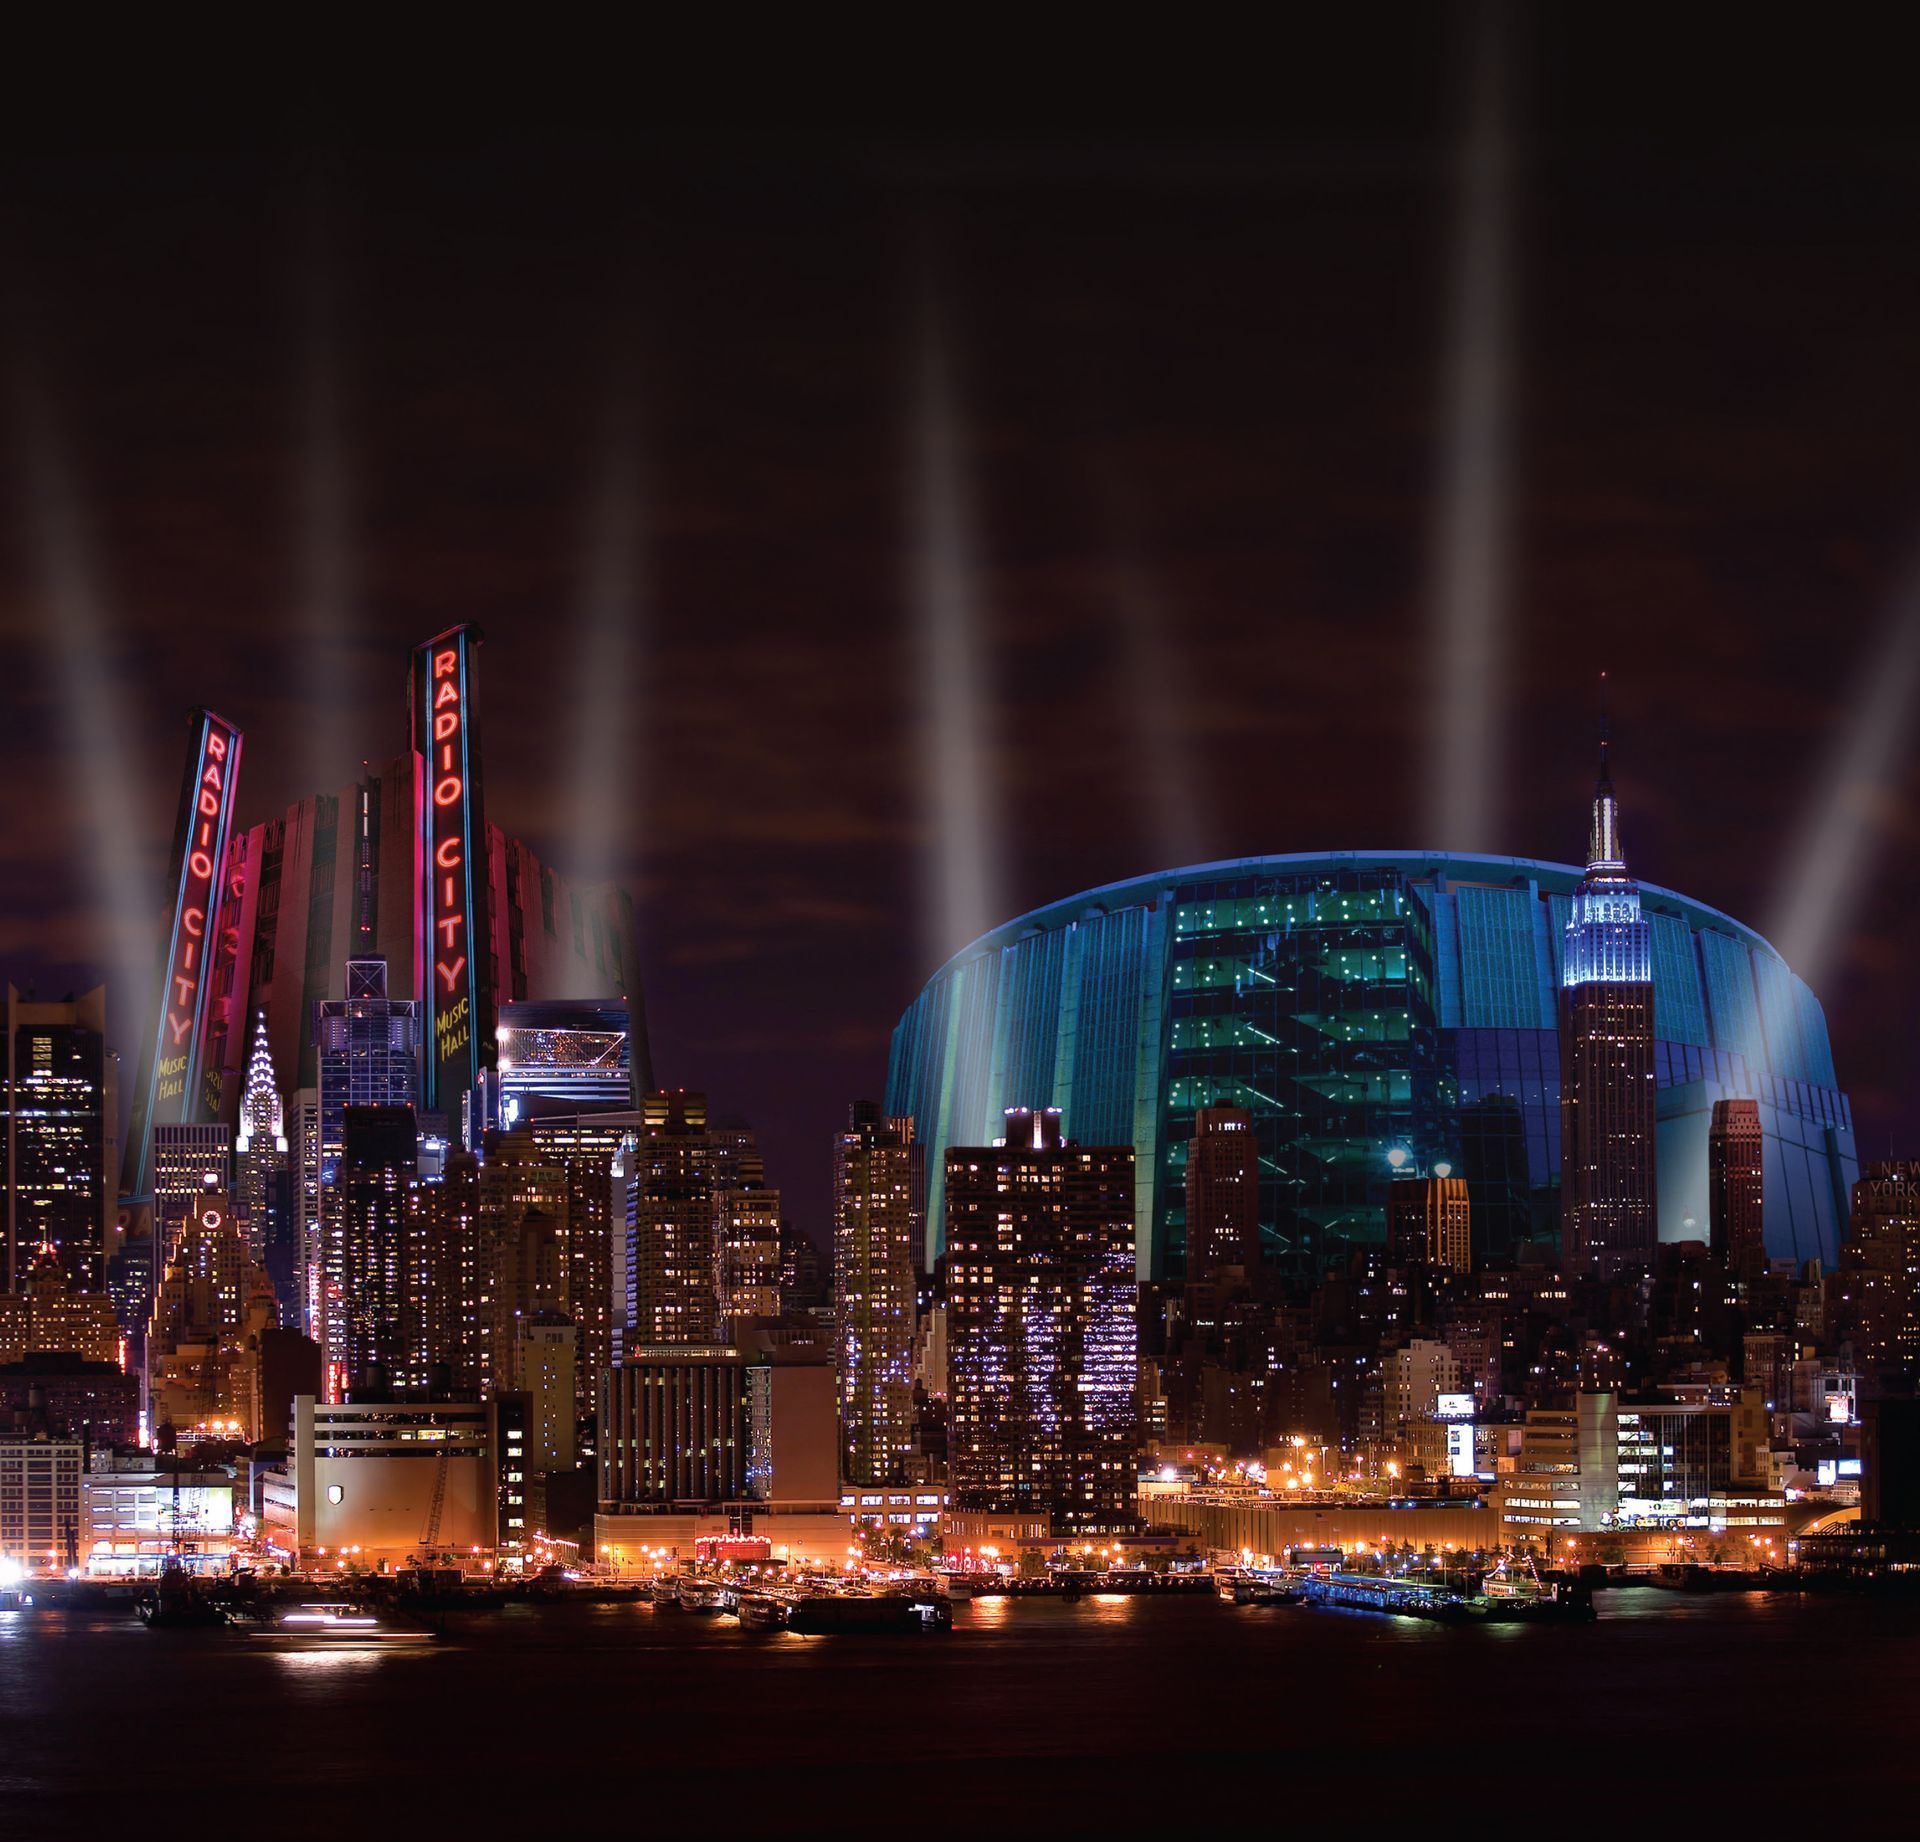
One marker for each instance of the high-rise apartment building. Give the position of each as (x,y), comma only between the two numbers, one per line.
(1735,1187)
(1607,1103)
(1042,1337)
(746,1256)
(878,1183)
(1223,1194)
(524,1231)
(670,1289)
(58,1137)
(1430,1219)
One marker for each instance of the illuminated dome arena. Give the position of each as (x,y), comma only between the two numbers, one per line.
(1360,1004)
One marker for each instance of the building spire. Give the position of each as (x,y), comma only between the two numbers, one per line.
(1606,854)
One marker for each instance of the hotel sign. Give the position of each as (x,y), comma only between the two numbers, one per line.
(453,973)
(168,1089)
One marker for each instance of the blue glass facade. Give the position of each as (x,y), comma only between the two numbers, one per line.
(1356,1004)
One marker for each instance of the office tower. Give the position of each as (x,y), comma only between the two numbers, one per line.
(670,1292)
(260,1149)
(381,1257)
(1042,1343)
(303,1195)
(1223,1193)
(1878,1286)
(746,1256)
(57,1147)
(1607,1115)
(1430,1219)
(878,1181)
(368,1056)
(1735,1190)
(179,1078)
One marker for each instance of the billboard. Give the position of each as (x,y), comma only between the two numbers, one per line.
(172,1085)
(453,943)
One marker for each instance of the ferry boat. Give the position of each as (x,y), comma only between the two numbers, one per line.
(701,1595)
(334,1627)
(762,1612)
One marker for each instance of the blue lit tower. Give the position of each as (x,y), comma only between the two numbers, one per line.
(1607,1100)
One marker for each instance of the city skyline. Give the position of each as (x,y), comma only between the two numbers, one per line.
(1172,479)
(819,1007)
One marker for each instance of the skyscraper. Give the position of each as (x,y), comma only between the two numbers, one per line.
(369,1048)
(878,1181)
(58,1137)
(1878,1285)
(1042,1335)
(1607,1102)
(260,1151)
(383,1257)
(184,1161)
(1430,1219)
(524,1233)
(1223,1193)
(1735,1187)
(670,1289)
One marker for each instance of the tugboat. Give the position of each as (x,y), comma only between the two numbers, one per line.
(178,1601)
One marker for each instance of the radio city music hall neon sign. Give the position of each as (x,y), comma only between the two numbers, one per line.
(197,908)
(447,790)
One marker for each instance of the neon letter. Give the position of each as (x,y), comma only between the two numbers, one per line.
(444,662)
(441,850)
(447,791)
(449,975)
(444,725)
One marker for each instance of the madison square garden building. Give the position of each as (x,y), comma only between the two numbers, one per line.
(1376,1012)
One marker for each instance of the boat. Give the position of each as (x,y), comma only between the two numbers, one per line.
(665,1591)
(838,1614)
(1506,1597)
(956,1585)
(178,1601)
(701,1595)
(762,1612)
(336,1626)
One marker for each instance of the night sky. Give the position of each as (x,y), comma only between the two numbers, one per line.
(1198,365)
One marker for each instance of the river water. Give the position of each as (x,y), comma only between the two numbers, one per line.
(1033,1717)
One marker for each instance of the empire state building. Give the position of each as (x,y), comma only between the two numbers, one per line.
(1608,1215)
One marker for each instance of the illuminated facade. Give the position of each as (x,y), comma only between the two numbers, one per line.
(368,1056)
(1042,1343)
(1609,1119)
(180,1065)
(562,1058)
(382,1254)
(56,1138)
(746,1255)
(1354,1003)
(878,1183)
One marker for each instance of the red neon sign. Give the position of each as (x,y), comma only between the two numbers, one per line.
(452,867)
